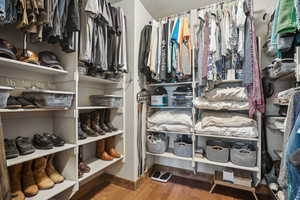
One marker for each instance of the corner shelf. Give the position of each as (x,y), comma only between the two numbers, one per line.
(169,84)
(90,79)
(37,154)
(228,164)
(9,63)
(57,189)
(170,155)
(98,165)
(169,107)
(32,110)
(94,107)
(100,137)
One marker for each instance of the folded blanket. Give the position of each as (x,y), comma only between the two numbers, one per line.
(169,117)
(170,128)
(203,103)
(227,94)
(226,120)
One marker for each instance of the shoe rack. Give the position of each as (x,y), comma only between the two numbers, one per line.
(63,122)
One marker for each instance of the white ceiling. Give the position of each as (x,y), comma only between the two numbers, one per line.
(162,8)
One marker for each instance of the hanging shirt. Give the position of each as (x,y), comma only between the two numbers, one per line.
(153,47)
(176,41)
(240,22)
(186,49)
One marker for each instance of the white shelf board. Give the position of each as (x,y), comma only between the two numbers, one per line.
(32,110)
(57,189)
(100,137)
(37,154)
(228,81)
(228,164)
(93,107)
(169,107)
(169,84)
(226,137)
(168,132)
(170,155)
(90,79)
(98,165)
(9,64)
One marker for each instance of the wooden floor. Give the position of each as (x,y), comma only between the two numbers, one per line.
(176,189)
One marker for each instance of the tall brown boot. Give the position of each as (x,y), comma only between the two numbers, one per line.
(110,147)
(107,120)
(15,182)
(52,172)
(102,121)
(101,151)
(85,123)
(29,187)
(40,175)
(95,118)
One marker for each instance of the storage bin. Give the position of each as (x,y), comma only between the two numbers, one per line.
(183,147)
(49,98)
(4,94)
(243,155)
(157,143)
(106,100)
(217,151)
(184,101)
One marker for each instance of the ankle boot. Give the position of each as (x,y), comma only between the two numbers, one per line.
(107,121)
(95,118)
(29,187)
(101,151)
(40,175)
(15,182)
(82,166)
(110,147)
(85,123)
(102,120)
(52,172)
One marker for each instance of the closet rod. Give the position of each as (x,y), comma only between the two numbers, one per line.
(198,9)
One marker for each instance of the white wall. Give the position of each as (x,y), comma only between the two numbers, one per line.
(137,17)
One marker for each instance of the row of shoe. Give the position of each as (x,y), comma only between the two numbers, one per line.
(28,178)
(19,102)
(25,146)
(44,58)
(95,123)
(105,150)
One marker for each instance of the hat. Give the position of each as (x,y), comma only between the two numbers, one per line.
(49,59)
(27,56)
(7,50)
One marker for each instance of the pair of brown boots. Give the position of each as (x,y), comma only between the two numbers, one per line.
(26,179)
(96,123)
(106,149)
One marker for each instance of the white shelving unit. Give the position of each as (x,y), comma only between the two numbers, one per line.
(61,121)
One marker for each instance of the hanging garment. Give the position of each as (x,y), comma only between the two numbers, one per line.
(164,53)
(170,30)
(206,40)
(123,43)
(153,47)
(144,52)
(240,23)
(176,46)
(158,56)
(2,11)
(186,48)
(287,22)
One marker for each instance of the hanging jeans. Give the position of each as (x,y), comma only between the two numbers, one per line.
(293,174)
(11,11)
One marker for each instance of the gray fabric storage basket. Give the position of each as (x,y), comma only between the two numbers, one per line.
(246,157)
(183,147)
(217,151)
(157,143)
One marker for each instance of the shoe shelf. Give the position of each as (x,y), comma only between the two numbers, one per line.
(170,155)
(57,189)
(225,137)
(169,132)
(98,165)
(90,79)
(101,137)
(169,107)
(228,164)
(169,84)
(32,110)
(38,153)
(93,107)
(9,63)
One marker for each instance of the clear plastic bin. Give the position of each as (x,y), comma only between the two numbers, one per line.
(4,94)
(49,98)
(185,101)
(106,100)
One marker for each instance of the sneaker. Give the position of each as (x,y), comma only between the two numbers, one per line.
(42,142)
(56,140)
(24,145)
(11,150)
(25,102)
(12,103)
